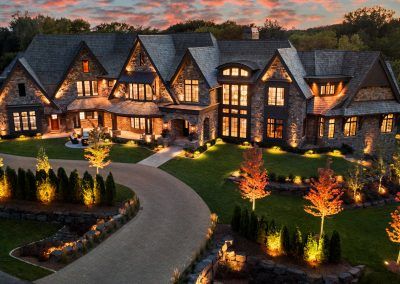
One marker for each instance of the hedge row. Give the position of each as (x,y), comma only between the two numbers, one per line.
(26,185)
(292,242)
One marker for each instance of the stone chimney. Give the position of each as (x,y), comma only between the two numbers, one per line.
(251,33)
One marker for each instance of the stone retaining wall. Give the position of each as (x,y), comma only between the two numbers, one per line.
(263,271)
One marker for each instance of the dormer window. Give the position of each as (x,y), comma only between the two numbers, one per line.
(191,91)
(235,72)
(140,92)
(327,89)
(85,66)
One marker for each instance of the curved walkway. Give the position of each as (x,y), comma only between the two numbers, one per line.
(165,234)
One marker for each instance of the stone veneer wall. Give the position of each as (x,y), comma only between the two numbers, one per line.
(373,94)
(10,96)
(68,91)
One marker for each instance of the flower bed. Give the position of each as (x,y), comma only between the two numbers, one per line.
(55,252)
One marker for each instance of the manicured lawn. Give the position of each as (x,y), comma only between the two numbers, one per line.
(362,231)
(16,233)
(123,193)
(55,149)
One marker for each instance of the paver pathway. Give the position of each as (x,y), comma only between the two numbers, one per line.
(161,157)
(165,234)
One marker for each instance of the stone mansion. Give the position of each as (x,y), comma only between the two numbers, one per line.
(192,85)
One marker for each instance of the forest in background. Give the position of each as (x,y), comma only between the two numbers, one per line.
(369,28)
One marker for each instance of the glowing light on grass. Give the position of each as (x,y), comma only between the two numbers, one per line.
(276,150)
(311,154)
(336,153)
(297,180)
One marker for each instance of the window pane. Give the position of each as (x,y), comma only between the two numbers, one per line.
(195,92)
(225,126)
(225,95)
(85,65)
(79,88)
(226,72)
(244,73)
(135,91)
(331,128)
(141,92)
(272,96)
(142,123)
(24,116)
(82,115)
(279,129)
(270,128)
(234,126)
(225,110)
(32,120)
(243,95)
(243,111)
(188,90)
(136,123)
(17,122)
(321,127)
(280,99)
(86,90)
(94,88)
(235,71)
(132,122)
(243,128)
(149,93)
(235,95)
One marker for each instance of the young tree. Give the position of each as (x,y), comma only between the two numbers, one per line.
(42,161)
(324,197)
(394,230)
(1,162)
(111,190)
(12,180)
(395,165)
(45,188)
(255,177)
(97,154)
(355,180)
(30,185)
(235,222)
(379,170)
(88,197)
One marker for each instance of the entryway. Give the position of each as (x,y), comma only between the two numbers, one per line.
(180,128)
(54,122)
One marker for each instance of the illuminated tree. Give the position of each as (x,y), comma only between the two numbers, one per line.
(45,189)
(255,177)
(395,165)
(97,153)
(42,161)
(379,170)
(355,181)
(1,162)
(324,196)
(394,230)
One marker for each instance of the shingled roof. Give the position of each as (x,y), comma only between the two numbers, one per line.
(49,56)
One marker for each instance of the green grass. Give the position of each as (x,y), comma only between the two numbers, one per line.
(123,193)
(16,233)
(55,149)
(362,231)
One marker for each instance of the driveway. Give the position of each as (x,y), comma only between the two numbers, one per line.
(165,234)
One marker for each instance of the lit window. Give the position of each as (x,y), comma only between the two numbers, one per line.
(110,83)
(21,90)
(235,72)
(191,91)
(225,126)
(244,112)
(321,127)
(138,123)
(235,111)
(85,66)
(82,115)
(17,121)
(225,110)
(387,123)
(225,95)
(331,128)
(243,128)
(235,95)
(149,93)
(244,73)
(274,128)
(350,126)
(327,89)
(141,92)
(243,95)
(86,88)
(79,89)
(32,120)
(24,116)
(276,96)
(226,72)
(234,126)
(94,88)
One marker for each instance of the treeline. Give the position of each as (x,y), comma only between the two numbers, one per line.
(374,28)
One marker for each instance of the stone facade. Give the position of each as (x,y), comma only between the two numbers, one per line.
(374,94)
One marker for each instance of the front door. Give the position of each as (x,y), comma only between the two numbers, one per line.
(100,119)
(185,128)
(54,122)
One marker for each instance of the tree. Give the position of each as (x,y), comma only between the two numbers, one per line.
(12,181)
(88,197)
(285,240)
(395,165)
(324,196)
(255,178)
(335,251)
(355,181)
(325,39)
(30,186)
(353,43)
(97,153)
(45,188)
(42,161)
(75,187)
(297,243)
(5,189)
(63,184)
(262,232)
(379,169)
(21,184)
(111,190)
(100,190)
(394,230)
(272,30)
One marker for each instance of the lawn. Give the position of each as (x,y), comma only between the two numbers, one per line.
(16,233)
(55,149)
(362,231)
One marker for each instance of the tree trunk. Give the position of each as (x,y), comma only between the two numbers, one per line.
(254,204)
(322,227)
(97,171)
(398,259)
(380,184)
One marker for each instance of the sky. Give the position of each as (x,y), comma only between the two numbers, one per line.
(160,14)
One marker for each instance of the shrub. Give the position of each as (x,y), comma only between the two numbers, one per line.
(111,191)
(313,251)
(46,190)
(335,248)
(274,242)
(74,193)
(244,222)
(253,227)
(325,242)
(100,190)
(53,179)
(88,196)
(30,183)
(63,185)
(281,179)
(235,222)
(5,189)
(297,243)
(262,231)
(12,181)
(285,240)
(21,184)
(272,177)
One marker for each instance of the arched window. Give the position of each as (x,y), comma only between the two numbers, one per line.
(235,72)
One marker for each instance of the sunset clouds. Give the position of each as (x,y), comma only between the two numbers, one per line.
(162,13)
